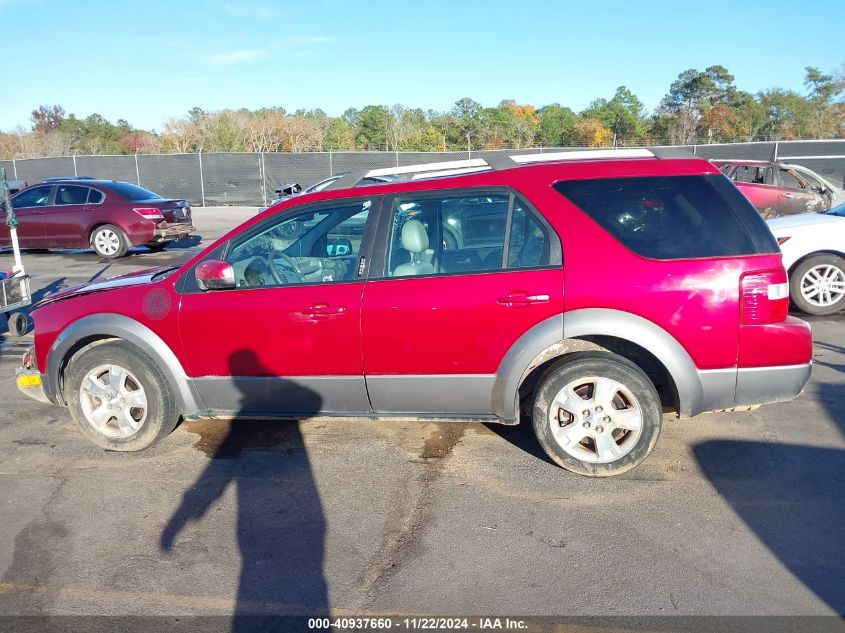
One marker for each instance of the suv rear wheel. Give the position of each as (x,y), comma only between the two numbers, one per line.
(817,285)
(597,414)
(119,397)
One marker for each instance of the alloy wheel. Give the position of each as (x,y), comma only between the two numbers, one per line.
(596,419)
(823,285)
(113,401)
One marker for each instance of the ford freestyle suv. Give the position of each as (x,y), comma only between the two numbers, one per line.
(589,292)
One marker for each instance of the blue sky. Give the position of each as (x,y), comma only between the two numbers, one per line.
(153,60)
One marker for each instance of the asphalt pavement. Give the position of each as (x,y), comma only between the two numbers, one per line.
(733,513)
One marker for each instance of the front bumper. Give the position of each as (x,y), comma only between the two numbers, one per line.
(29,380)
(31,383)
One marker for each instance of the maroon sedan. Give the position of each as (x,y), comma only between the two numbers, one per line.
(106,215)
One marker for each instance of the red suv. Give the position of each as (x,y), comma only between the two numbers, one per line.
(594,292)
(106,215)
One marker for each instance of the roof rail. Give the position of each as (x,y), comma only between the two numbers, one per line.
(500,161)
(584,154)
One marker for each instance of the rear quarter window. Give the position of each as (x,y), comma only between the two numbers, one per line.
(673,217)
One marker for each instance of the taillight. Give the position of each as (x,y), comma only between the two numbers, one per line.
(149,213)
(765,297)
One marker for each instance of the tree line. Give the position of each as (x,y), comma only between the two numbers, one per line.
(699,107)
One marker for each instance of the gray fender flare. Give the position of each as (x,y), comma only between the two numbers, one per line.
(558,335)
(110,325)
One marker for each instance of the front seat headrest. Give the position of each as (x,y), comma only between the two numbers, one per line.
(414,237)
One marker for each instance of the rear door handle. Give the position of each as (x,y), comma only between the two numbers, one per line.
(787,195)
(323,310)
(516,298)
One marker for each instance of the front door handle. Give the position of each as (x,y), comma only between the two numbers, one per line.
(323,310)
(787,195)
(519,298)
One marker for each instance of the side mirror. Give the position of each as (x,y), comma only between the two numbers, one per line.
(215,275)
(338,247)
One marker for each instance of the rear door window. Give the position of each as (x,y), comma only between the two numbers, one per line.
(753,174)
(71,194)
(466,233)
(673,217)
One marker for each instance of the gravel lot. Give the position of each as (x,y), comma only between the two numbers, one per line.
(740,513)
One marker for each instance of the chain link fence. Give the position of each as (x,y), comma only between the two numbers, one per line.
(207,179)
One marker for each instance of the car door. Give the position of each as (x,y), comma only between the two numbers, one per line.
(440,313)
(287,340)
(795,194)
(30,205)
(65,220)
(824,195)
(757,183)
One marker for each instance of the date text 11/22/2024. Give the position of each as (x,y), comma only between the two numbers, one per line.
(418,624)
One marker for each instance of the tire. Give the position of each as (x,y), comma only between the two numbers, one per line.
(121,427)
(18,323)
(817,284)
(585,444)
(109,241)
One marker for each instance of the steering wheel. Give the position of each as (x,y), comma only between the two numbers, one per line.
(275,258)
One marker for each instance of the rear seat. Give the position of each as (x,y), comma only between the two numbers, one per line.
(469,260)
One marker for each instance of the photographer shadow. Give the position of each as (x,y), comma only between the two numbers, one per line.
(280,522)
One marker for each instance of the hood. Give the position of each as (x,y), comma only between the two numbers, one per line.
(130,279)
(779,225)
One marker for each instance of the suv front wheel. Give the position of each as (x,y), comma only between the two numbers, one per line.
(119,397)
(597,414)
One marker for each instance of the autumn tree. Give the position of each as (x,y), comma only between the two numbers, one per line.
(140,143)
(591,133)
(47,118)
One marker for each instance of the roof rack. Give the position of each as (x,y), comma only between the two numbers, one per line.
(495,162)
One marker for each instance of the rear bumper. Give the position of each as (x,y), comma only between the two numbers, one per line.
(165,232)
(147,232)
(763,385)
(747,386)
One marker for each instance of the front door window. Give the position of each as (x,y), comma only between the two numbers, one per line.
(313,247)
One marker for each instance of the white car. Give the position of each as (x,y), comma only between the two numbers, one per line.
(813,247)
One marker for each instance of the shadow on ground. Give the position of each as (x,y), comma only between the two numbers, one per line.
(792,497)
(280,522)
